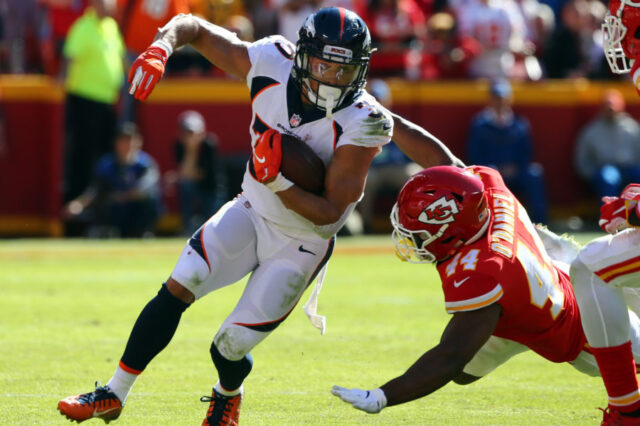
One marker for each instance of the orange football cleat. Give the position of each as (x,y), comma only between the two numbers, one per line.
(101,403)
(616,418)
(223,410)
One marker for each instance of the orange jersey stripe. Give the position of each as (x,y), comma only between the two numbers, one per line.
(609,273)
(476,305)
(617,265)
(625,271)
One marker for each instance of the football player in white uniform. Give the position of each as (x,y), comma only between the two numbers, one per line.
(606,278)
(279,234)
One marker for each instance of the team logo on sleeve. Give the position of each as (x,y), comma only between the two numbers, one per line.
(439,212)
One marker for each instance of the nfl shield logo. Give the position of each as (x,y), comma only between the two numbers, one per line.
(295,120)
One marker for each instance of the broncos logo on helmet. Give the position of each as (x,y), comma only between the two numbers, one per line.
(332,57)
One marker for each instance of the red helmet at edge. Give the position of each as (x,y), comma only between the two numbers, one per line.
(621,34)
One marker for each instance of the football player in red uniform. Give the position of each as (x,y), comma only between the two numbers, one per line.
(621,42)
(505,292)
(276,233)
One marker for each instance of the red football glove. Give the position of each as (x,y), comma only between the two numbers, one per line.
(613,214)
(267,156)
(148,69)
(618,213)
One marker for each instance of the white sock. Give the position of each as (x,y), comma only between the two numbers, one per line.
(121,383)
(225,392)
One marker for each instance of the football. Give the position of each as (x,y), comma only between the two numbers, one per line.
(301,165)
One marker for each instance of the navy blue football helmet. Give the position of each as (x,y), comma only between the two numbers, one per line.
(333,51)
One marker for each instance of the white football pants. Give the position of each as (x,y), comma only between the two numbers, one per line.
(605,277)
(234,242)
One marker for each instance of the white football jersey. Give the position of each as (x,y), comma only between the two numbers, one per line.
(276,104)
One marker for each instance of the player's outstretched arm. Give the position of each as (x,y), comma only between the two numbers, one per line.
(220,46)
(420,145)
(462,338)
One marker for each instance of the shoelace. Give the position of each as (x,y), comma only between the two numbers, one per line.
(97,396)
(215,414)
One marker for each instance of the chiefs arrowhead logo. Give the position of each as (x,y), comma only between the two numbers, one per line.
(439,212)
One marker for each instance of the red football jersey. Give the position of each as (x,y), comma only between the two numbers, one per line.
(509,266)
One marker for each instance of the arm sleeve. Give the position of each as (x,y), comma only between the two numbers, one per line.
(475,303)
(267,55)
(470,290)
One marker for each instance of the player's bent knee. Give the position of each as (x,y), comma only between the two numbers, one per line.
(178,291)
(234,342)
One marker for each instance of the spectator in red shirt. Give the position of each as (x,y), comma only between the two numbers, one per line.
(398,31)
(447,54)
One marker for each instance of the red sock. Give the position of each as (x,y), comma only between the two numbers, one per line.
(618,370)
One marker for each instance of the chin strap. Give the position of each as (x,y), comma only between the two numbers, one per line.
(329,94)
(330,103)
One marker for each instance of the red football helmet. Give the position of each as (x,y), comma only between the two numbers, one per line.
(621,35)
(438,210)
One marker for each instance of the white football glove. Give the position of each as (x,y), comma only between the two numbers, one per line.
(371,401)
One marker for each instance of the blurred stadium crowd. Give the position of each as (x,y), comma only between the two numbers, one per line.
(416,39)
(88,46)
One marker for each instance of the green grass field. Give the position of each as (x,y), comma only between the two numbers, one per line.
(67,307)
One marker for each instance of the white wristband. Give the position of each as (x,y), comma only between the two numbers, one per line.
(163,45)
(280,183)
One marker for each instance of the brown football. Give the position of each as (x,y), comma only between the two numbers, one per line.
(301,165)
